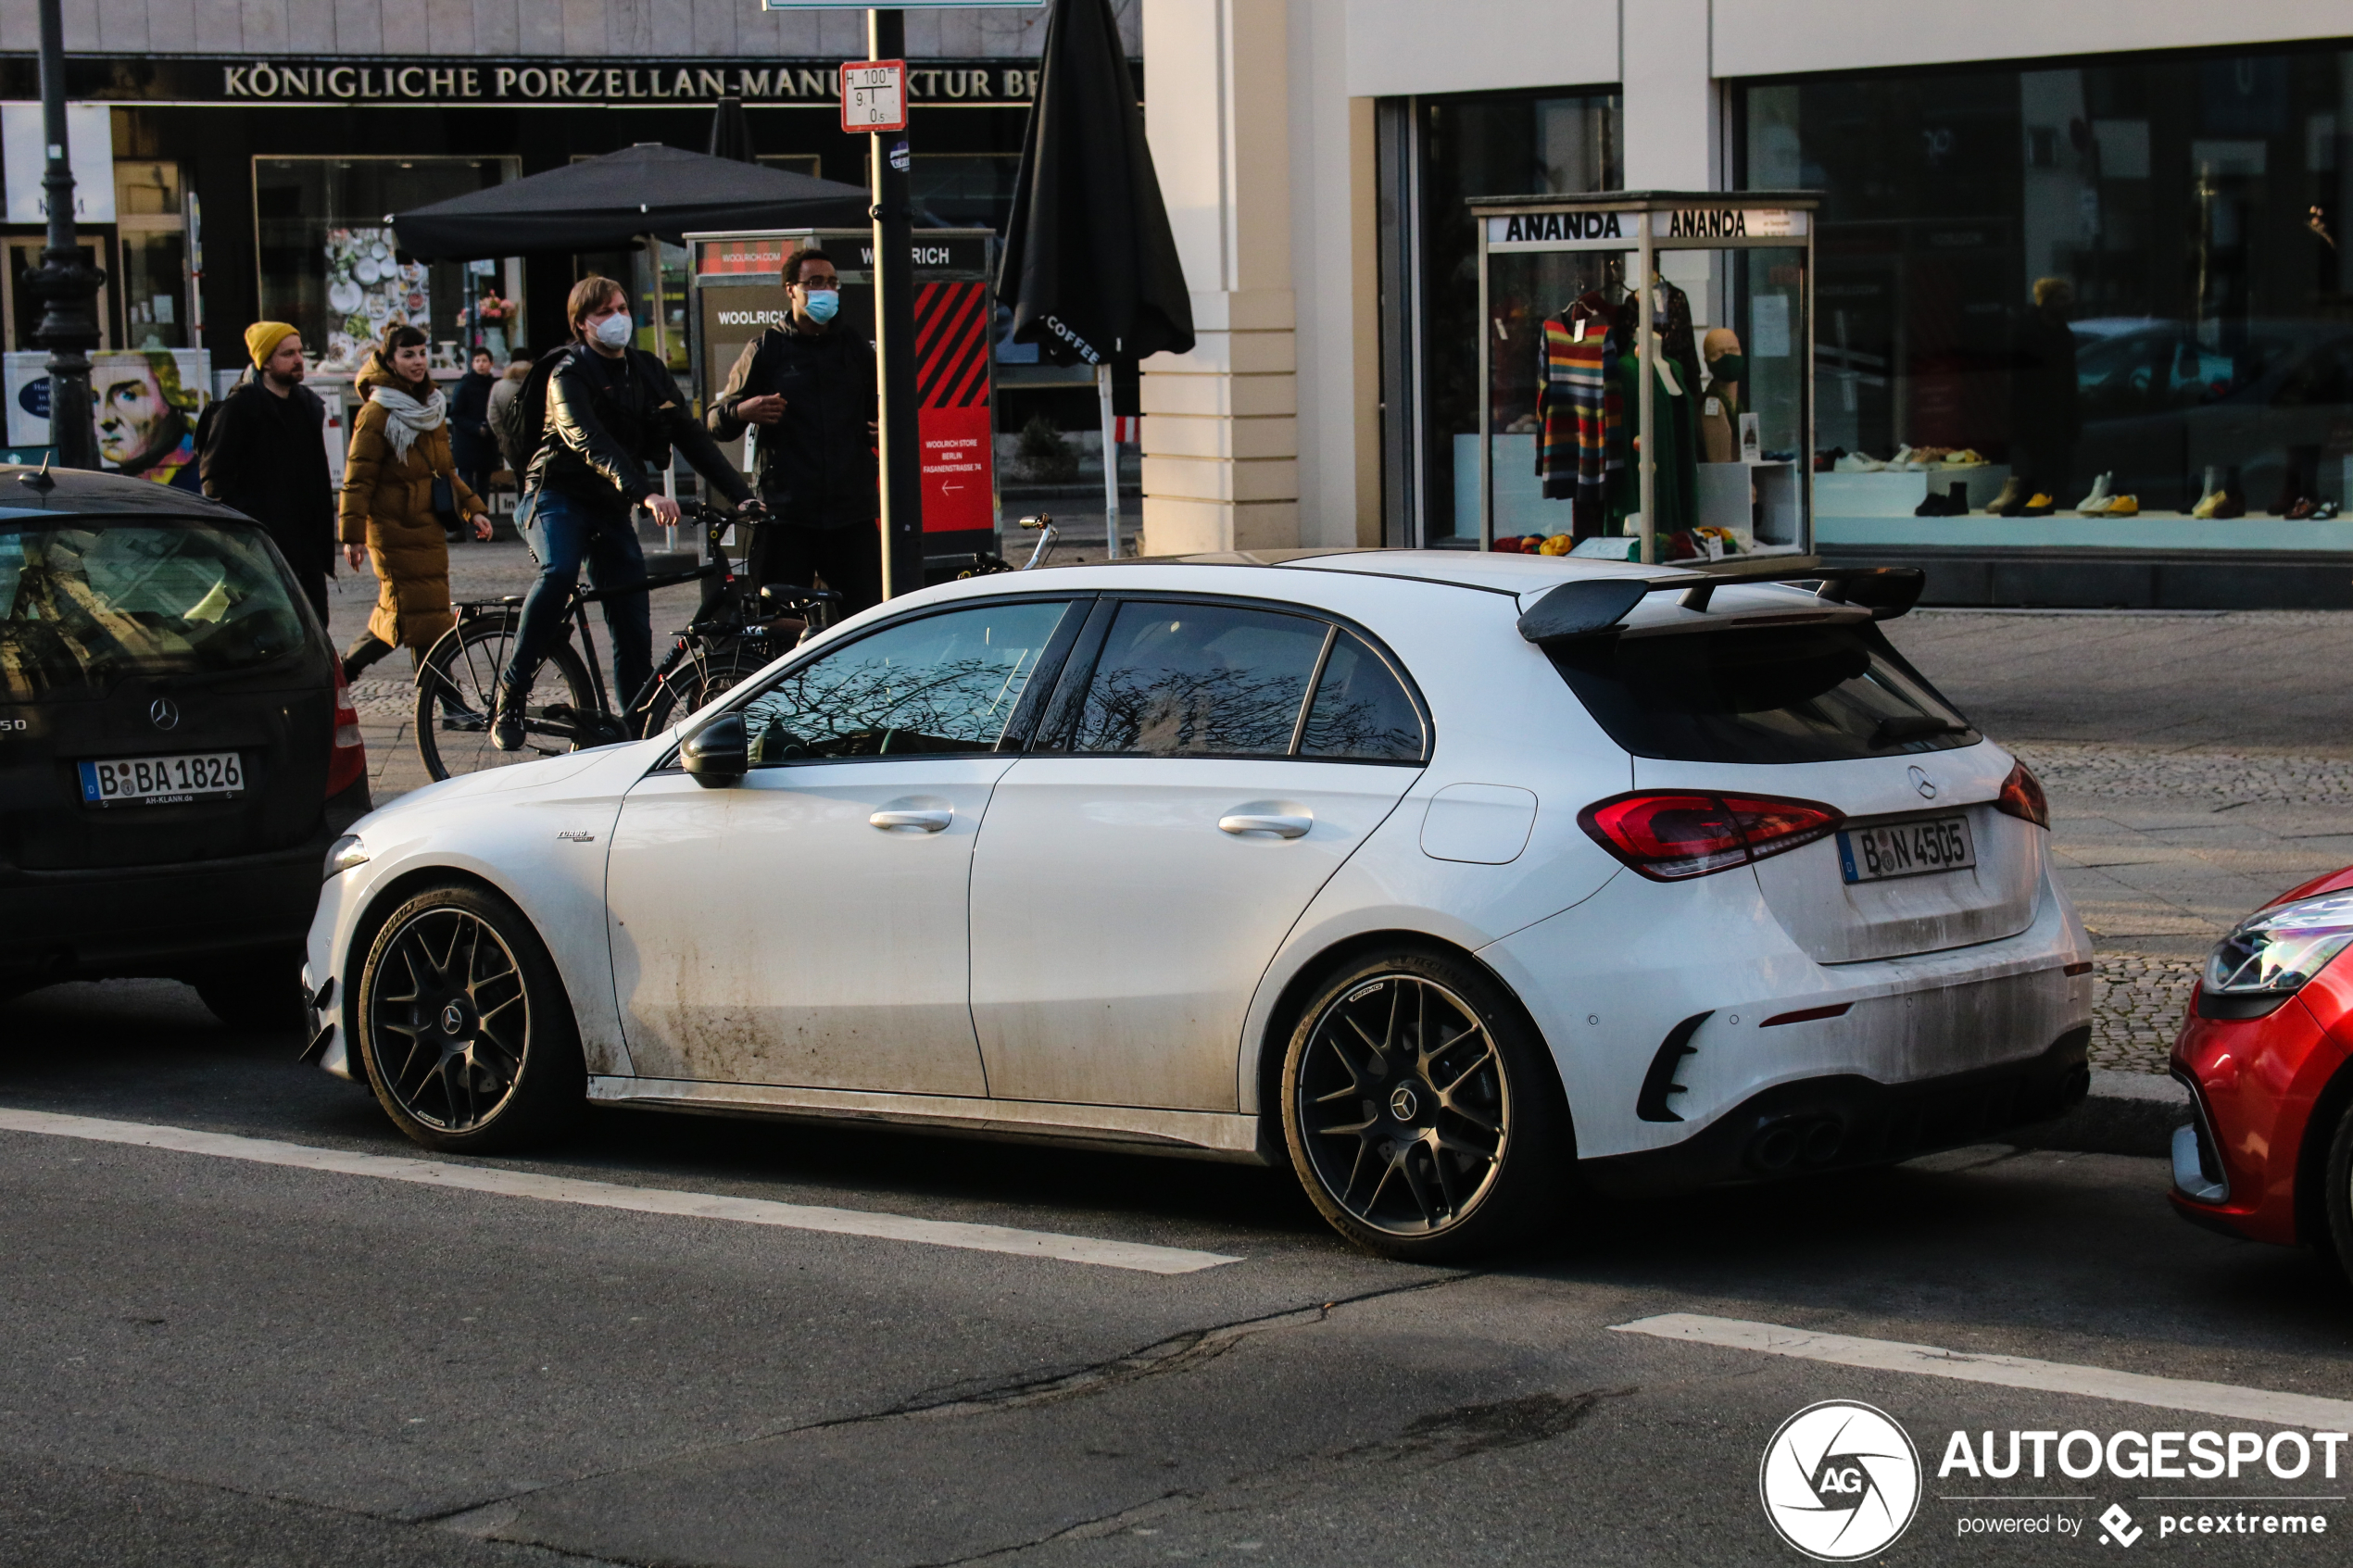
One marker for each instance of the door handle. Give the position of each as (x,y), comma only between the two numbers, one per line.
(1281,827)
(927,822)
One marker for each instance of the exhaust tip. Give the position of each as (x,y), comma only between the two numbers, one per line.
(1776,1149)
(1822,1141)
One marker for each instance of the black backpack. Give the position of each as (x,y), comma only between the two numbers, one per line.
(524,421)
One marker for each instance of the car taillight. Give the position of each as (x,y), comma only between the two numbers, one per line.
(2022,797)
(1670,835)
(348,761)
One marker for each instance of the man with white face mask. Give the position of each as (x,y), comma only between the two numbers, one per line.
(612,416)
(809,388)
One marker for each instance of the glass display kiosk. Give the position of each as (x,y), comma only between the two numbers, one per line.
(1610,317)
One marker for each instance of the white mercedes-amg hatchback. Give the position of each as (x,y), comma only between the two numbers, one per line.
(1457,881)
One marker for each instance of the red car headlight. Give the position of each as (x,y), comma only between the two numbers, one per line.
(2272,954)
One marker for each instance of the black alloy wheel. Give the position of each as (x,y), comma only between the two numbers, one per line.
(1421,1110)
(467,1035)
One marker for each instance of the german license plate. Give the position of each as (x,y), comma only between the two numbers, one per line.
(162,781)
(1938,844)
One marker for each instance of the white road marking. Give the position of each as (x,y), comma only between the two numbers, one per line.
(502,1182)
(2010,1371)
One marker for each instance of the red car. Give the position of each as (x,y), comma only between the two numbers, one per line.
(2270,1156)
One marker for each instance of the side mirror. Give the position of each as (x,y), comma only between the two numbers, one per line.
(719,753)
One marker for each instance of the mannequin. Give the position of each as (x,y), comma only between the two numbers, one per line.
(1720,412)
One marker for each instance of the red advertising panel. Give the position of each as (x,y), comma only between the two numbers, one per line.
(957,491)
(951,383)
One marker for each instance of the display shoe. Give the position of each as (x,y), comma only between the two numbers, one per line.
(2122,506)
(1953,502)
(2228,506)
(2012,494)
(2096,502)
(1858,462)
(1967,457)
(2299,509)
(2038,505)
(2204,504)
(2323,510)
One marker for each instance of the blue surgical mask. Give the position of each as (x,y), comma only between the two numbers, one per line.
(616,330)
(822,304)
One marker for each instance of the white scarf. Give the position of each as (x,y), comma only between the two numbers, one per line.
(407,419)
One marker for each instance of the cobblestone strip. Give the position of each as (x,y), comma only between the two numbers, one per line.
(2211,777)
(2137,1006)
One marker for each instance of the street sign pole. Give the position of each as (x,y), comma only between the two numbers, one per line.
(66,285)
(868,100)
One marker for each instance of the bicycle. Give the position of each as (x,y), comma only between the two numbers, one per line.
(738,630)
(987,563)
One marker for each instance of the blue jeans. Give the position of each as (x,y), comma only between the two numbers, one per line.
(562,535)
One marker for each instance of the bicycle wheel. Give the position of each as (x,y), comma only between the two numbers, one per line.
(704,676)
(458,689)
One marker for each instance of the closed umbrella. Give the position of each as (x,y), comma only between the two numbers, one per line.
(731,133)
(1090,266)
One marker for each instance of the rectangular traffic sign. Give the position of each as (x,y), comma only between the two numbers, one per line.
(874,95)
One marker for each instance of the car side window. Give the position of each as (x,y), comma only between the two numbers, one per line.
(1200,680)
(946,683)
(1361,710)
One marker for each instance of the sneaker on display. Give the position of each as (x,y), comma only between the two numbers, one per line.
(2012,495)
(1859,462)
(2123,506)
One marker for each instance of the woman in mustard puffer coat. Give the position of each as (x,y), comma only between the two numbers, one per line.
(399,445)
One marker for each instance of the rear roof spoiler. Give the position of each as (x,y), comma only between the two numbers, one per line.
(1594,607)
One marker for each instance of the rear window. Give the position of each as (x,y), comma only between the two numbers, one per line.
(1768,693)
(84,603)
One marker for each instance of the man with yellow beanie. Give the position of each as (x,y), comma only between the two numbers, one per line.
(266,455)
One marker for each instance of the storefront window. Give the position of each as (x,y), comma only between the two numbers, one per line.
(152,230)
(327,256)
(2126,279)
(1521,144)
(1685,444)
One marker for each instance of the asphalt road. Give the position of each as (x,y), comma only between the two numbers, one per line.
(220,1358)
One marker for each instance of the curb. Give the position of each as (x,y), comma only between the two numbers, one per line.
(2125,1113)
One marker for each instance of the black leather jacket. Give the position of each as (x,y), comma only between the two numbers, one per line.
(607,419)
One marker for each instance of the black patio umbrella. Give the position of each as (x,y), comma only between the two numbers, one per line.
(1090,268)
(731,133)
(607,203)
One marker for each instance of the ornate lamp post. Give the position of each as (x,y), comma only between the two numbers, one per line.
(66,285)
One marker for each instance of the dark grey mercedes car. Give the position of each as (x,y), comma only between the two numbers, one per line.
(177,750)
